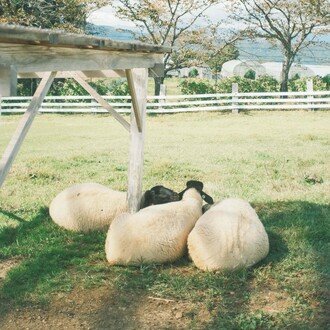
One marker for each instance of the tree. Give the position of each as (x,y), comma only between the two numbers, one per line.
(326,80)
(68,15)
(193,73)
(221,55)
(294,25)
(250,74)
(173,23)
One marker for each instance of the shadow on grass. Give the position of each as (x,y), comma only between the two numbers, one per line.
(8,235)
(294,228)
(11,216)
(226,295)
(47,252)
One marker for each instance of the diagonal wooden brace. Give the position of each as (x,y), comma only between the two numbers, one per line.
(134,97)
(24,125)
(78,76)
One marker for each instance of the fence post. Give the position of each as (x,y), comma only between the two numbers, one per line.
(162,92)
(234,91)
(310,89)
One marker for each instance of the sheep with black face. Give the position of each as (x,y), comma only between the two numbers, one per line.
(158,195)
(156,234)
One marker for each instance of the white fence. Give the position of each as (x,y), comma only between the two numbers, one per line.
(178,103)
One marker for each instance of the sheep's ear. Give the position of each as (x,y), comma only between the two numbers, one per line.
(198,185)
(207,198)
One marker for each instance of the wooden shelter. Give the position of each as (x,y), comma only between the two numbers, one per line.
(50,54)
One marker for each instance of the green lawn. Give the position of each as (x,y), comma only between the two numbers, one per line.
(172,86)
(279,161)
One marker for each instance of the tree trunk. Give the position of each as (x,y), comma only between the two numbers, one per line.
(284,80)
(158,82)
(285,73)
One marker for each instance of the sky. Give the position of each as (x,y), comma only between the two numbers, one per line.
(105,16)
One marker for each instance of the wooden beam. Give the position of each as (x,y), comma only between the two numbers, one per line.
(67,74)
(135,171)
(33,58)
(93,93)
(8,81)
(24,125)
(57,38)
(135,101)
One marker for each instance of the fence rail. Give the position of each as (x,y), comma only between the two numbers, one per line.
(312,100)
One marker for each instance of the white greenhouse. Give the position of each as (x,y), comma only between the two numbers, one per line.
(273,69)
(240,68)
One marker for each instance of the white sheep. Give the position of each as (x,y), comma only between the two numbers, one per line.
(228,236)
(87,206)
(156,234)
(92,206)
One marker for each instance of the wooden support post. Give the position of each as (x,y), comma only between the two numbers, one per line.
(8,81)
(134,97)
(310,89)
(234,90)
(135,171)
(79,78)
(24,125)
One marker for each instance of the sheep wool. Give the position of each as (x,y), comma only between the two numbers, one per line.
(87,206)
(228,236)
(156,234)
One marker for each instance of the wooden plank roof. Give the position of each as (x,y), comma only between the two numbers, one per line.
(37,50)
(57,38)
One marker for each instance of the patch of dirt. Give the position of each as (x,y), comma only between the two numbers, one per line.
(270,300)
(6,266)
(107,308)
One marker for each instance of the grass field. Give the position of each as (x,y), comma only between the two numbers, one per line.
(279,161)
(172,86)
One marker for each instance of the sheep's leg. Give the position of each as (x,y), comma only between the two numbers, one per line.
(137,80)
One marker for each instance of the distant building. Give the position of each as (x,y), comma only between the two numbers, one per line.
(319,70)
(240,68)
(273,69)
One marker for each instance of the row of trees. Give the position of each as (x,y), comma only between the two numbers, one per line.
(183,24)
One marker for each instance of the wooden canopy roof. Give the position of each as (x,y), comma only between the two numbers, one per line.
(61,51)
(35,36)
(31,52)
